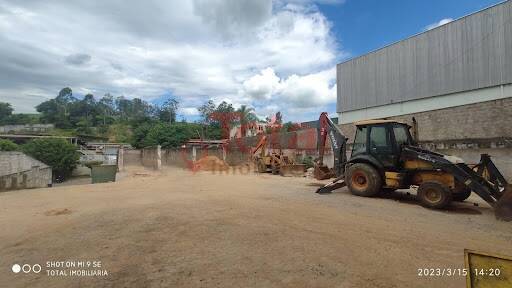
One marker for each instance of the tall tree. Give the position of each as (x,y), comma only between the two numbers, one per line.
(225,115)
(89,105)
(168,110)
(5,111)
(279,118)
(124,107)
(57,110)
(206,110)
(107,107)
(245,115)
(65,96)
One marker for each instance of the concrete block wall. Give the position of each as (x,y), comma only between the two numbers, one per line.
(481,121)
(152,157)
(176,157)
(34,128)
(14,162)
(32,178)
(19,171)
(132,157)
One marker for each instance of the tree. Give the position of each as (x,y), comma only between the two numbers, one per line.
(168,110)
(5,111)
(51,112)
(107,107)
(124,107)
(8,145)
(56,153)
(212,120)
(65,96)
(88,106)
(166,135)
(139,135)
(57,110)
(206,110)
(290,126)
(245,115)
(279,117)
(22,119)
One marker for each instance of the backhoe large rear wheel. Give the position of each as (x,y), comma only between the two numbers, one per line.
(363,180)
(433,194)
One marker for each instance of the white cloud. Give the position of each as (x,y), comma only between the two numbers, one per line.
(311,90)
(262,85)
(188,111)
(437,24)
(197,50)
(293,95)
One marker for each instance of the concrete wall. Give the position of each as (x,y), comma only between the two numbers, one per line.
(14,162)
(132,157)
(483,121)
(34,128)
(32,178)
(19,171)
(152,157)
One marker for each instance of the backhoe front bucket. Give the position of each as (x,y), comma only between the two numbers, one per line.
(503,208)
(322,172)
(292,170)
(336,184)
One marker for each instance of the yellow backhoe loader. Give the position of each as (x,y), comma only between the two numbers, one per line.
(385,157)
(273,162)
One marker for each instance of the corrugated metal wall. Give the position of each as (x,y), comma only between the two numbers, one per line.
(470,53)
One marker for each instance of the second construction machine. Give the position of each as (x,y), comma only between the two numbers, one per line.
(275,162)
(385,157)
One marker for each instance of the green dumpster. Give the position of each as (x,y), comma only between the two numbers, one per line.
(103,173)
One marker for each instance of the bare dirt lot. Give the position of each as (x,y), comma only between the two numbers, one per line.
(178,229)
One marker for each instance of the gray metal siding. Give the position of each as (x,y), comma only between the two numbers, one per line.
(470,53)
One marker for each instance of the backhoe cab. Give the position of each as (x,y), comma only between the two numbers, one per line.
(385,157)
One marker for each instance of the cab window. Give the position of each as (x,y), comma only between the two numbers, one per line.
(380,141)
(401,135)
(359,145)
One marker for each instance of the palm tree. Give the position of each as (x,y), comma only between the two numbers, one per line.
(246,115)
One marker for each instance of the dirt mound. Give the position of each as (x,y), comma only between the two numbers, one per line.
(211,163)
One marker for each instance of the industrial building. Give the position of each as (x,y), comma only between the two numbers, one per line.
(454,81)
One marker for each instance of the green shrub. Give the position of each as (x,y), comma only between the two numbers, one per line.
(8,145)
(166,135)
(308,161)
(56,153)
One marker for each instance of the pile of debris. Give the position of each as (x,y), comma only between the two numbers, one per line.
(210,163)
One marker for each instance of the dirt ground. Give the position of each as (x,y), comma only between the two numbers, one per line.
(179,229)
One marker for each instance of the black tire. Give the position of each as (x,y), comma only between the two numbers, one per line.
(363,180)
(275,169)
(461,192)
(433,194)
(461,196)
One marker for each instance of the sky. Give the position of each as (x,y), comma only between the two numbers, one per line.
(274,56)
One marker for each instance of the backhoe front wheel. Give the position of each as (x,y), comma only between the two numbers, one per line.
(461,192)
(363,180)
(433,194)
